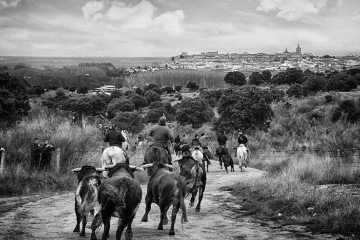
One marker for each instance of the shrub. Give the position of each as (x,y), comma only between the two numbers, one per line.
(194,111)
(256,78)
(244,108)
(341,82)
(348,110)
(235,78)
(152,96)
(117,105)
(14,103)
(130,121)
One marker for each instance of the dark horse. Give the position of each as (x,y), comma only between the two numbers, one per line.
(155,153)
(220,152)
(207,157)
(195,176)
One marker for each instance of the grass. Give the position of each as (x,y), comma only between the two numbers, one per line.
(295,190)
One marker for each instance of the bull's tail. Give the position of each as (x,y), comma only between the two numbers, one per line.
(194,187)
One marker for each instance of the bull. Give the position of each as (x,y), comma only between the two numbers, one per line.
(228,162)
(86,194)
(195,176)
(119,195)
(165,188)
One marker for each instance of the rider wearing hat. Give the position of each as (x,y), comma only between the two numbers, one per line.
(115,139)
(243,140)
(161,134)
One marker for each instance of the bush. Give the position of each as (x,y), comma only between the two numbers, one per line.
(341,82)
(194,111)
(256,78)
(14,103)
(116,105)
(295,90)
(235,78)
(139,101)
(244,108)
(348,110)
(130,121)
(152,96)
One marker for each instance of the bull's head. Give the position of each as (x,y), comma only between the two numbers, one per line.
(86,171)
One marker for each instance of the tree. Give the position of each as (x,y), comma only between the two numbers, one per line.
(39,90)
(255,78)
(72,89)
(88,105)
(244,108)
(192,86)
(348,110)
(196,112)
(235,78)
(130,121)
(290,76)
(341,82)
(139,101)
(266,75)
(210,96)
(14,102)
(178,88)
(156,105)
(152,96)
(154,87)
(315,83)
(82,90)
(115,94)
(295,90)
(154,115)
(116,105)
(169,90)
(21,66)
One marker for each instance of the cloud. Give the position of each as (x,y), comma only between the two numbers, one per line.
(138,16)
(169,22)
(291,10)
(142,16)
(91,9)
(8,3)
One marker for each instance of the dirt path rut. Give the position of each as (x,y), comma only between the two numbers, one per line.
(54,218)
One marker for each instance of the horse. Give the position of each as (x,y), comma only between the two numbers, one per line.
(155,153)
(242,155)
(111,156)
(125,144)
(177,149)
(207,157)
(221,151)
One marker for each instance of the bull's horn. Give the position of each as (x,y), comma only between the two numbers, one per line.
(107,167)
(147,165)
(100,169)
(169,166)
(139,169)
(76,169)
(176,160)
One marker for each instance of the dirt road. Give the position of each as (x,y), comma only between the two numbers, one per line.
(54,218)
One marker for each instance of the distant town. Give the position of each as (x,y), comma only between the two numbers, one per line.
(263,61)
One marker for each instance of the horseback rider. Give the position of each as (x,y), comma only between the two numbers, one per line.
(243,139)
(161,134)
(204,141)
(195,142)
(115,139)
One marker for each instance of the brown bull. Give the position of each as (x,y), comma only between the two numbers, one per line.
(165,188)
(228,162)
(86,194)
(120,195)
(195,176)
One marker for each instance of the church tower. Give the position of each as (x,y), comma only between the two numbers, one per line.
(298,49)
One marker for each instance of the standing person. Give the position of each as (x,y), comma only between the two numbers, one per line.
(47,150)
(115,140)
(36,151)
(161,134)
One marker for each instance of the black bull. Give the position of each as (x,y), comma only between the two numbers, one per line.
(165,188)
(155,154)
(121,195)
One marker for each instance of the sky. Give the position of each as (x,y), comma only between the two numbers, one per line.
(165,28)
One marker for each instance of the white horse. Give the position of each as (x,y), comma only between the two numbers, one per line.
(125,144)
(111,156)
(198,155)
(242,155)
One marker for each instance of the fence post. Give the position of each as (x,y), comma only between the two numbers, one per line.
(57,159)
(2,162)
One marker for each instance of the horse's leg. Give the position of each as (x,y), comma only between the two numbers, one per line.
(220,162)
(201,194)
